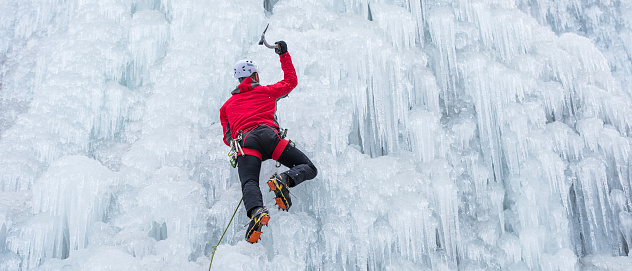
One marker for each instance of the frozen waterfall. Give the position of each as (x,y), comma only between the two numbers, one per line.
(449,135)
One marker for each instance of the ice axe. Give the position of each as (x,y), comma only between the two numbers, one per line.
(263,39)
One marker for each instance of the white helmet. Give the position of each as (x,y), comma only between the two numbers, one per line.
(244,68)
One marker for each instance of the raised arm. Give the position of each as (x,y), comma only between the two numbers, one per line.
(290,80)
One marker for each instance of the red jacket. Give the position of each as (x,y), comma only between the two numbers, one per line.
(253,104)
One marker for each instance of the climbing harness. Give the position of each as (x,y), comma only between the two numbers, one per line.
(236,148)
(220,239)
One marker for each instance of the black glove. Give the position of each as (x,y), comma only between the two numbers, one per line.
(281,47)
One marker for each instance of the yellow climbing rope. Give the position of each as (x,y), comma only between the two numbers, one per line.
(220,239)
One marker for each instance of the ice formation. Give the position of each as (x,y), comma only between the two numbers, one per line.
(449,135)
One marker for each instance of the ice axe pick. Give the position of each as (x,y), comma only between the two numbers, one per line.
(263,39)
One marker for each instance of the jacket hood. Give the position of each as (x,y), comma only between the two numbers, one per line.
(245,86)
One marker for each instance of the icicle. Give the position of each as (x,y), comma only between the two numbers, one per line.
(532,247)
(397,23)
(559,64)
(464,133)
(554,103)
(442,28)
(521,133)
(426,140)
(117,104)
(617,151)
(39,238)
(496,198)
(555,13)
(593,185)
(510,244)
(186,225)
(74,197)
(566,142)
(616,107)
(591,60)
(381,95)
(619,200)
(473,71)
(625,219)
(414,227)
(553,168)
(590,130)
(495,90)
(526,190)
(19,163)
(148,39)
(418,9)
(425,91)
(446,202)
(508,33)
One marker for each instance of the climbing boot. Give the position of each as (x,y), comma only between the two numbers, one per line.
(259,218)
(281,192)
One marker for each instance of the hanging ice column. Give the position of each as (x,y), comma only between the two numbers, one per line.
(528,86)
(391,80)
(605,23)
(586,84)
(442,28)
(515,93)
(382,96)
(148,37)
(73,194)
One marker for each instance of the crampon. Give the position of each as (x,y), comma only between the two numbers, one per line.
(259,218)
(281,192)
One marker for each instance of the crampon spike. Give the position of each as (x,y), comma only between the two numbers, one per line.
(254,237)
(264,220)
(280,203)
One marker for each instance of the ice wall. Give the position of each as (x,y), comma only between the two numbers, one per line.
(449,135)
(604,22)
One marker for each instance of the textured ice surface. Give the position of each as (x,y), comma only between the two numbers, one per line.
(449,135)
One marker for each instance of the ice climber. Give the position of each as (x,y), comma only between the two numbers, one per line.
(251,130)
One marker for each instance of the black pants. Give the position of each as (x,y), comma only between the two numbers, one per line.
(264,139)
